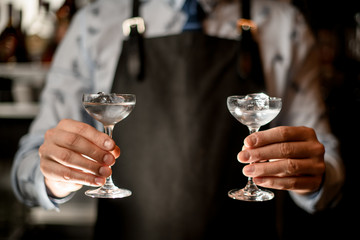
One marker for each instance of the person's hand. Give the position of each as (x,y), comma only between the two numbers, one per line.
(286,158)
(75,154)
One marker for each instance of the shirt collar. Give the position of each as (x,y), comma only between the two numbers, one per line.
(207,5)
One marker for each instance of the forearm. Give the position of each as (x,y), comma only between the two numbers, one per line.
(28,181)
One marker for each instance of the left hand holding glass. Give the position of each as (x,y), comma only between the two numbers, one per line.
(296,159)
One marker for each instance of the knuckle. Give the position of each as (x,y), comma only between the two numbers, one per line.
(270,183)
(284,132)
(310,132)
(320,168)
(286,150)
(81,128)
(64,122)
(291,167)
(64,156)
(71,139)
(291,184)
(255,155)
(41,150)
(319,148)
(49,134)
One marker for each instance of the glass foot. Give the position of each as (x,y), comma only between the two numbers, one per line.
(113,192)
(254,196)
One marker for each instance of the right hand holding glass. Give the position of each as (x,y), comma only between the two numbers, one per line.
(75,154)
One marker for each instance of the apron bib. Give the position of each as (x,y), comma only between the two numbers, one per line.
(179,146)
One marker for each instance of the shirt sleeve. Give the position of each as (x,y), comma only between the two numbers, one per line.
(28,181)
(304,106)
(330,192)
(67,79)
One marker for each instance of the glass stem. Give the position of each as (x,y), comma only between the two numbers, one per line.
(253,129)
(109,130)
(251,186)
(109,184)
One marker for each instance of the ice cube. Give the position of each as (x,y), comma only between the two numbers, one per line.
(115,98)
(102,98)
(108,98)
(257,101)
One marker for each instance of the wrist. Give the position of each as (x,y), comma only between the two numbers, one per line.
(58,190)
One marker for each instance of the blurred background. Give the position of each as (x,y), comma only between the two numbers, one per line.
(34,28)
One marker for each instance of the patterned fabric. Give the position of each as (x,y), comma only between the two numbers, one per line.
(87,58)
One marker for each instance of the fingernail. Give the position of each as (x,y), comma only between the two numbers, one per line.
(258,181)
(103,171)
(108,159)
(243,156)
(249,169)
(250,141)
(108,144)
(99,181)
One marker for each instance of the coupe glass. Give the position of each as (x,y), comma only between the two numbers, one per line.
(254,111)
(108,109)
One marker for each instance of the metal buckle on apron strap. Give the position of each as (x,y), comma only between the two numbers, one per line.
(131,23)
(246,25)
(133,28)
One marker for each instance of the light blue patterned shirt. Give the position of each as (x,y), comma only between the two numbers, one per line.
(87,58)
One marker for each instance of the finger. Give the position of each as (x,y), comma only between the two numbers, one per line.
(304,184)
(60,173)
(116,152)
(77,161)
(92,134)
(295,150)
(279,134)
(79,144)
(284,168)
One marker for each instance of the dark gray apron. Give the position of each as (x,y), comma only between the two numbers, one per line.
(179,147)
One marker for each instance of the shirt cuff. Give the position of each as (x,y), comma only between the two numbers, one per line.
(327,196)
(308,201)
(41,192)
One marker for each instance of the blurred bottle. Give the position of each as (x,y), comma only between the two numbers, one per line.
(12,44)
(12,49)
(249,63)
(64,16)
(41,32)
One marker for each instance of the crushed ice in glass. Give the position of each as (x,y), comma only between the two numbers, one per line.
(256,101)
(108,98)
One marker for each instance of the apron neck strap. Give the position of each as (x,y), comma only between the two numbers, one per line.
(245,9)
(135,27)
(135,8)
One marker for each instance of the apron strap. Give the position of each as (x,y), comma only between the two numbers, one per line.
(245,9)
(135,8)
(249,60)
(249,66)
(134,27)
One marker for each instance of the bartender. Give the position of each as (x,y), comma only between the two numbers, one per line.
(180,145)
